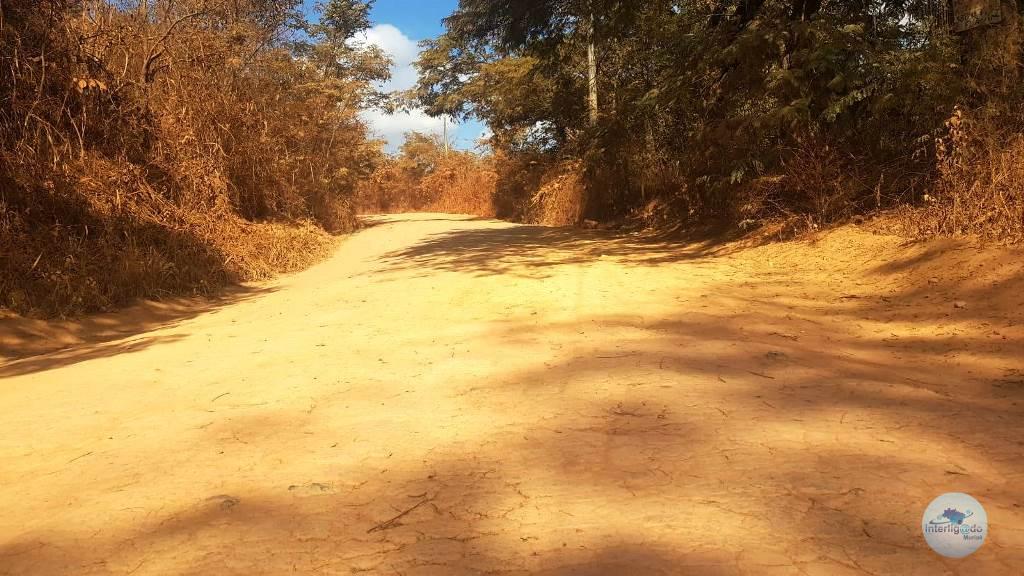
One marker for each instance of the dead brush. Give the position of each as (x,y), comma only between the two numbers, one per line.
(817,183)
(157,148)
(426,177)
(560,200)
(461,186)
(980,187)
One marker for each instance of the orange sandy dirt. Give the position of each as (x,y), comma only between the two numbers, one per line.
(457,396)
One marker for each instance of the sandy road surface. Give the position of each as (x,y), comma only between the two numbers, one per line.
(448,396)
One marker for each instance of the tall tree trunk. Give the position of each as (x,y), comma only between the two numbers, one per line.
(594,198)
(992,53)
(592,101)
(592,72)
(804,10)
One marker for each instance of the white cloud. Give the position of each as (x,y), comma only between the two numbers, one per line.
(403,52)
(392,127)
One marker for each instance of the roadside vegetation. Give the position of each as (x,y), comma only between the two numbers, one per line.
(157,147)
(739,112)
(153,147)
(426,175)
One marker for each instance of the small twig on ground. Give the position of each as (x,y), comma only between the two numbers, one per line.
(221,396)
(393,522)
(79,457)
(761,375)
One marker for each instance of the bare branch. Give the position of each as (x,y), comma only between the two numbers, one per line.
(153,55)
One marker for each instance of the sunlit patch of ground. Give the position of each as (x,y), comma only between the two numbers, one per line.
(459,396)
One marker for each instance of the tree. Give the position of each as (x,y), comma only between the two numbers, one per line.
(720,100)
(548,32)
(992,45)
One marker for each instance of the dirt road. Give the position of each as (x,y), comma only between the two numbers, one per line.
(451,396)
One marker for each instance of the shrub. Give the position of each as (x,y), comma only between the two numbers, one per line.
(154,148)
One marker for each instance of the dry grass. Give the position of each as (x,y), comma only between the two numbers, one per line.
(980,188)
(146,155)
(461,185)
(426,177)
(98,245)
(561,198)
(423,177)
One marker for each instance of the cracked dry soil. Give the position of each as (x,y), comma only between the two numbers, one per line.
(457,396)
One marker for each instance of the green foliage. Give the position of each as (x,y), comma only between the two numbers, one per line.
(341,20)
(718,97)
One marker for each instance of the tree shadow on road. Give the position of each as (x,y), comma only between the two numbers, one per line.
(741,433)
(28,346)
(739,428)
(532,250)
(439,518)
(84,353)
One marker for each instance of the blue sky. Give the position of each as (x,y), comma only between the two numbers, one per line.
(419,19)
(398,25)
